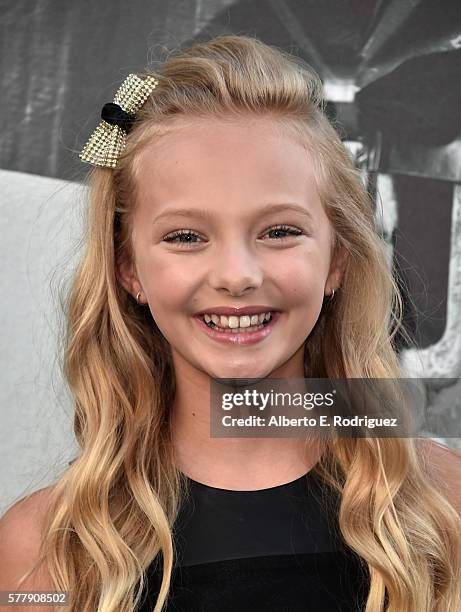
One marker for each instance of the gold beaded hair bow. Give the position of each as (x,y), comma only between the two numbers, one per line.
(109,138)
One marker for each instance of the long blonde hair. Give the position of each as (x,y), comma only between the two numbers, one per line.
(112,511)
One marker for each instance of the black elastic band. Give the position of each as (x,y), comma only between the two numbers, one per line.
(115,115)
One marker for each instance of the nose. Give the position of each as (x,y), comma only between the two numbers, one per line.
(236,269)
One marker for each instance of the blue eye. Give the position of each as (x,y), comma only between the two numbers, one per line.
(186,234)
(187,238)
(292,231)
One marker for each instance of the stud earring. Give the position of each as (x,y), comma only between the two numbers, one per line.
(137,296)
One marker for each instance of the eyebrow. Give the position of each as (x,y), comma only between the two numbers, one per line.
(209,215)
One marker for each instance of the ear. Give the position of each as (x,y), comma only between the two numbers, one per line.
(337,269)
(126,274)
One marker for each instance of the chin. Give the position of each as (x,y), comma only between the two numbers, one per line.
(241,371)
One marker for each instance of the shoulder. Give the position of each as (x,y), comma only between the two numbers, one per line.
(443,465)
(20,538)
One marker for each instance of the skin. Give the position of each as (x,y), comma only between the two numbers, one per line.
(231,169)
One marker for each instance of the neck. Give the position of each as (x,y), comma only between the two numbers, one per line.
(239,463)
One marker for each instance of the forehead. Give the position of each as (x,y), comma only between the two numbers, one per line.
(222,162)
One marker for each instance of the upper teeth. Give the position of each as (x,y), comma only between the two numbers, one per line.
(234,322)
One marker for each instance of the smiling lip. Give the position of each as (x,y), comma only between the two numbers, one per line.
(237,312)
(241,338)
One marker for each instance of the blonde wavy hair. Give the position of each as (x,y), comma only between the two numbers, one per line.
(112,511)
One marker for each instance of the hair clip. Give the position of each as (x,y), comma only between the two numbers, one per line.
(109,139)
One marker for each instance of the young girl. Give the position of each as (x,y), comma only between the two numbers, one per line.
(229,236)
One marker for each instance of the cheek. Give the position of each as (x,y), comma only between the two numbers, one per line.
(166,281)
(301,278)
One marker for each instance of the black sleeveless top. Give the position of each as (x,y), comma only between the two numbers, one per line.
(271,550)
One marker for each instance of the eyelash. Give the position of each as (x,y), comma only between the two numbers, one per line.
(171,237)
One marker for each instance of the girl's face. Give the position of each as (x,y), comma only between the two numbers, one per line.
(228,216)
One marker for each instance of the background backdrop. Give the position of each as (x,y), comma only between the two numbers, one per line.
(391,71)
